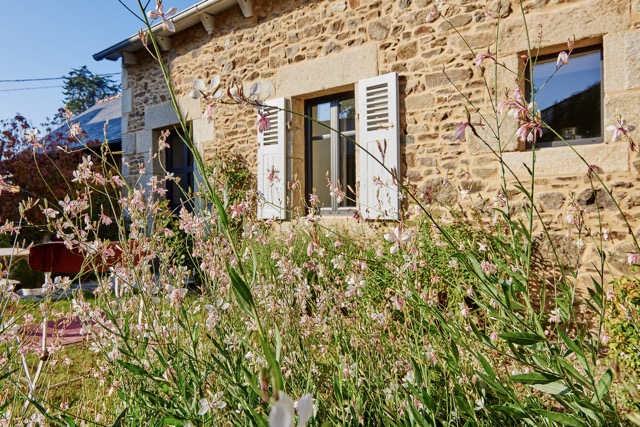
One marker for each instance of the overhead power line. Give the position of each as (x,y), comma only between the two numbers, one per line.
(51,78)
(29,88)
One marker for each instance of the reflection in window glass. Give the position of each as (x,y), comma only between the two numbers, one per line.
(570,101)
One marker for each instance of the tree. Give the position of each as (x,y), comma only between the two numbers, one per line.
(82,89)
(12,135)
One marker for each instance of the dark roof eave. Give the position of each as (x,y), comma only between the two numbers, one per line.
(182,21)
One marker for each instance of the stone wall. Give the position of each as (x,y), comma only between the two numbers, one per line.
(302,48)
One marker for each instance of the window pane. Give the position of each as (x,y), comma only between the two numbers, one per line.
(321,155)
(176,151)
(321,113)
(347,115)
(347,176)
(570,101)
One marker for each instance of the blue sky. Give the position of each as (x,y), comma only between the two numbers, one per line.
(45,38)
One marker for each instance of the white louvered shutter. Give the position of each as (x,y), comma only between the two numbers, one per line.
(379,134)
(272,160)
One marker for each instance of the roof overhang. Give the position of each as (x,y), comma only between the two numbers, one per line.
(200,13)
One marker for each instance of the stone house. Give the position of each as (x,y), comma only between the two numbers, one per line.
(401,72)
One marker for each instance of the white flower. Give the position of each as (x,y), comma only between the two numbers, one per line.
(214,404)
(479,404)
(283,415)
(398,237)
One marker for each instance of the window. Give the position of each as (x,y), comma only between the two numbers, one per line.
(179,162)
(287,141)
(570,101)
(330,155)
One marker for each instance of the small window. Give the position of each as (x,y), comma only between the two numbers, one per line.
(329,155)
(570,101)
(179,162)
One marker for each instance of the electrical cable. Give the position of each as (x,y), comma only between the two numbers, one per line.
(51,78)
(29,88)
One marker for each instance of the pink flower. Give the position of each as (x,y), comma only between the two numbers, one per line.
(263,122)
(488,268)
(563,59)
(459,134)
(594,169)
(633,259)
(6,187)
(272,176)
(482,56)
(50,213)
(620,129)
(237,210)
(159,13)
(432,16)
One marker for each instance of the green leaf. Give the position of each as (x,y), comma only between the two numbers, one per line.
(241,292)
(634,418)
(119,422)
(555,388)
(509,410)
(134,369)
(562,419)
(170,421)
(534,378)
(522,338)
(602,389)
(573,346)
(589,412)
(69,421)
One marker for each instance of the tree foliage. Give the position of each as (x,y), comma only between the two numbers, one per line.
(43,174)
(82,89)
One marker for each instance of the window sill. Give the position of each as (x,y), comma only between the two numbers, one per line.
(562,161)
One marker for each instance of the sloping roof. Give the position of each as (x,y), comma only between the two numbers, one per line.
(200,13)
(92,121)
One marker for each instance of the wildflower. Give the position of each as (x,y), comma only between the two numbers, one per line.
(272,176)
(6,187)
(75,130)
(237,210)
(633,259)
(494,336)
(432,16)
(167,23)
(398,238)
(50,213)
(355,285)
(482,56)
(459,134)
(594,169)
(162,141)
(33,137)
(563,59)
(555,316)
(335,191)
(479,404)
(215,403)
(464,310)
(488,268)
(282,414)
(263,122)
(482,247)
(105,219)
(620,129)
